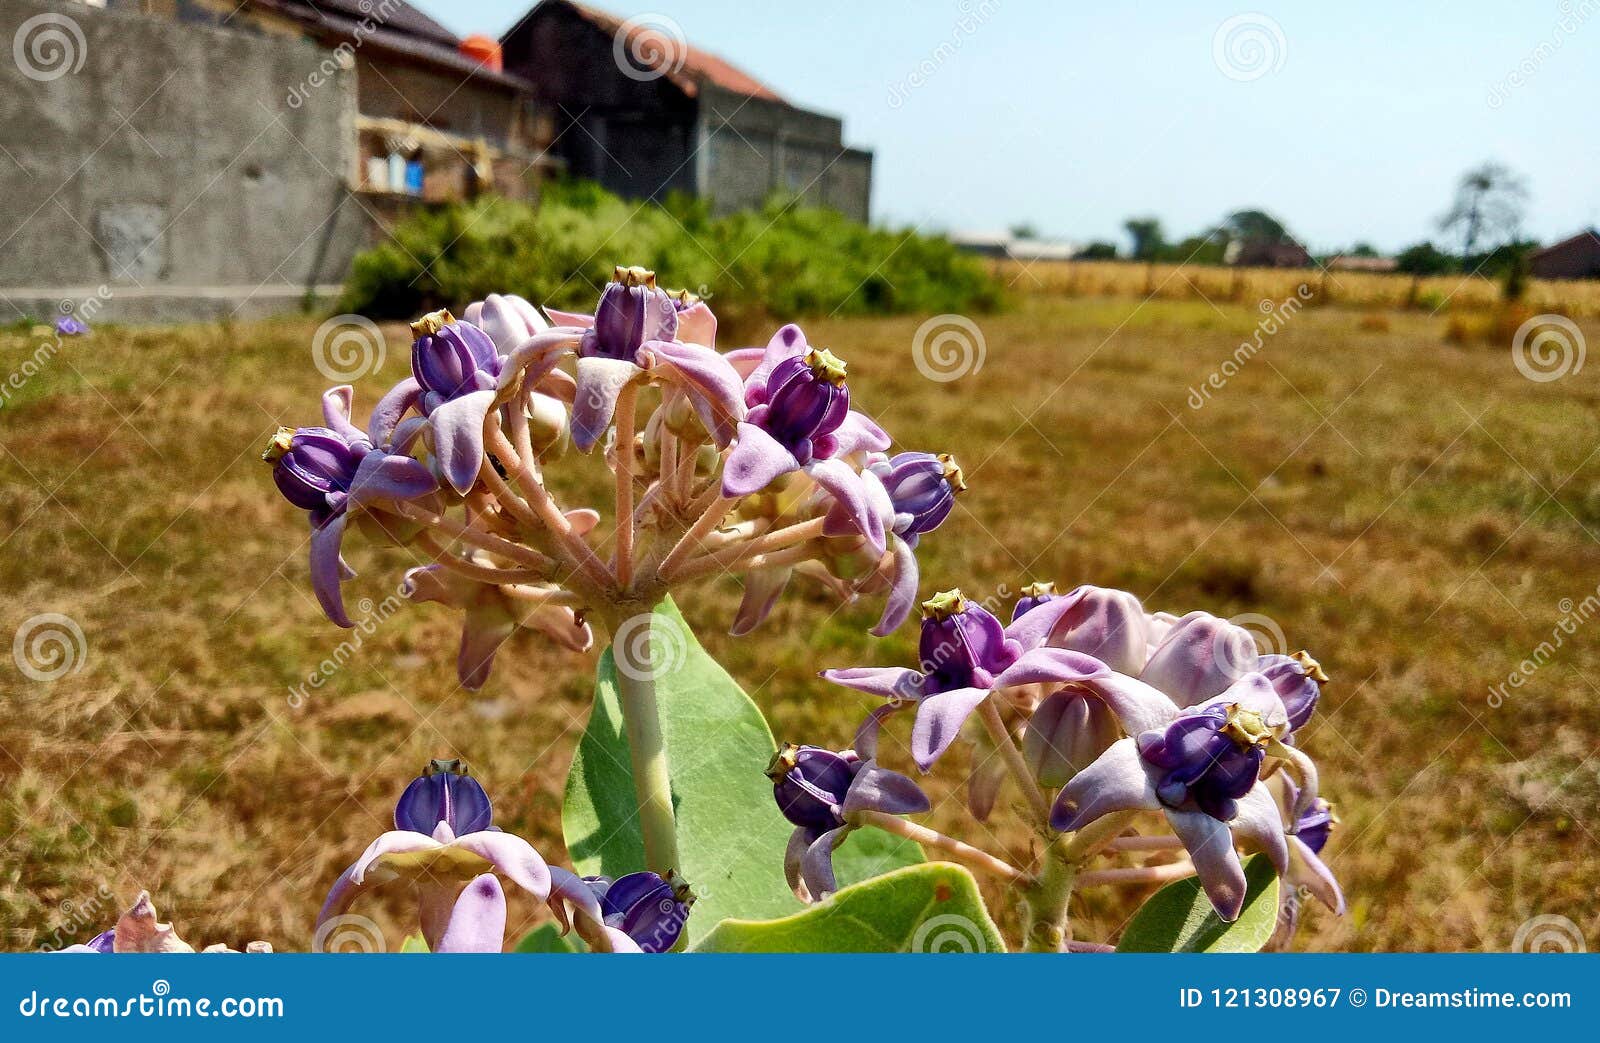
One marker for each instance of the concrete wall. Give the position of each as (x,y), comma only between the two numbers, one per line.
(151,156)
(752,148)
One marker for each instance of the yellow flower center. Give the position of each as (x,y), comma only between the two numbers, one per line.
(944,604)
(783,762)
(281,443)
(825,365)
(633,275)
(953,473)
(432,323)
(1312,668)
(1247,728)
(1039,590)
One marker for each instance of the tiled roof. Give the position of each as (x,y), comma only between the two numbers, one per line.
(686,65)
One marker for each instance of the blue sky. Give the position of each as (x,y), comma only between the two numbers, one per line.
(1073,116)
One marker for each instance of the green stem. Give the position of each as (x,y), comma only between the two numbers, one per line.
(647,748)
(1044,923)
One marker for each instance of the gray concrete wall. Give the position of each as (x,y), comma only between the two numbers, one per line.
(752,148)
(147,156)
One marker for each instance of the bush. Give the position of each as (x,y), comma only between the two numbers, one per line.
(782,260)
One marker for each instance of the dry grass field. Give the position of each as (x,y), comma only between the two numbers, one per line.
(1416,513)
(1432,295)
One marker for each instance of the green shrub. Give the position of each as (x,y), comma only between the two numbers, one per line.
(784,260)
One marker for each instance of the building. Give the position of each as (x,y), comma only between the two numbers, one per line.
(644,113)
(1574,258)
(1005,246)
(1361,263)
(218,157)
(1266,253)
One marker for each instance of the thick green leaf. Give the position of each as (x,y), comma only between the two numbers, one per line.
(934,907)
(545,938)
(1179,917)
(413,943)
(731,838)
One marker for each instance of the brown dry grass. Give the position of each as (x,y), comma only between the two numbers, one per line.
(1412,512)
(1432,295)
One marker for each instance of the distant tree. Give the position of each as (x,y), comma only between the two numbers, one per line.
(1488,207)
(1424,259)
(1253,226)
(1210,248)
(1024,230)
(1148,239)
(1362,250)
(1099,250)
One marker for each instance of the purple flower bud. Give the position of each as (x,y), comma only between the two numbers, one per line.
(647,908)
(806,401)
(104,942)
(1208,758)
(1033,595)
(451,358)
(632,311)
(67,326)
(809,783)
(314,467)
(922,487)
(1298,680)
(443,793)
(1067,731)
(962,645)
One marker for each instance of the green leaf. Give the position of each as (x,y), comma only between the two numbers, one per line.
(1179,917)
(414,943)
(731,838)
(933,907)
(544,938)
(867,853)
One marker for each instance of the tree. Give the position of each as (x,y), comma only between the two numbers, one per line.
(1424,259)
(1147,237)
(1488,207)
(1099,250)
(1024,230)
(1253,226)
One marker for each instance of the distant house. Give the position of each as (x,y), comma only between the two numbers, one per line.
(644,113)
(1266,253)
(1360,263)
(1006,246)
(1574,258)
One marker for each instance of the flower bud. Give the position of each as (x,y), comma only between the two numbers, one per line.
(632,311)
(314,467)
(962,645)
(1298,681)
(922,487)
(1067,731)
(1208,757)
(806,400)
(647,908)
(809,783)
(1315,825)
(1033,595)
(451,359)
(443,793)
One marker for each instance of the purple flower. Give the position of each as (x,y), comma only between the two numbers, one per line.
(333,471)
(456,369)
(507,319)
(1198,765)
(444,839)
(632,336)
(800,420)
(68,326)
(818,790)
(1067,731)
(140,930)
(649,909)
(966,654)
